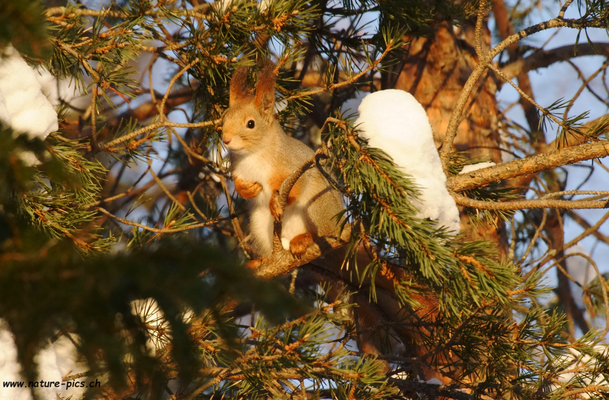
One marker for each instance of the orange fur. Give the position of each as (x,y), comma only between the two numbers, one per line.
(247,190)
(265,84)
(300,243)
(276,182)
(254,264)
(239,89)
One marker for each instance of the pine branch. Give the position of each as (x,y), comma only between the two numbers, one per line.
(110,146)
(59,13)
(529,165)
(586,225)
(456,308)
(163,230)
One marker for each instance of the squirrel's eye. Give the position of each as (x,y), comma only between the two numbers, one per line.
(251,124)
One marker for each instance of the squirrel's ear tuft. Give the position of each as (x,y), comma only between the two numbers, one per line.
(238,86)
(267,107)
(265,91)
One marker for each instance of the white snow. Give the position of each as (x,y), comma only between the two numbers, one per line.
(222,6)
(55,361)
(474,167)
(264,5)
(23,106)
(574,362)
(506,156)
(394,121)
(5,117)
(153,318)
(9,368)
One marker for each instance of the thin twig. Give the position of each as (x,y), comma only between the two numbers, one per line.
(164,188)
(602,282)
(349,81)
(563,9)
(538,232)
(94,146)
(161,124)
(156,230)
(544,58)
(194,205)
(586,225)
(131,191)
(528,98)
(528,204)
(187,148)
(571,243)
(588,231)
(171,83)
(235,220)
(584,85)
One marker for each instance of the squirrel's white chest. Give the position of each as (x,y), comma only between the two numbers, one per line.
(254,168)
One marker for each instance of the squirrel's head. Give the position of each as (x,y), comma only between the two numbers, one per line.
(249,118)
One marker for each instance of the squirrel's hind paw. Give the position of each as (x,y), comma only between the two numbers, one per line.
(247,190)
(254,264)
(300,243)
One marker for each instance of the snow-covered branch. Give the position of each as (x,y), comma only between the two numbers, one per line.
(528,165)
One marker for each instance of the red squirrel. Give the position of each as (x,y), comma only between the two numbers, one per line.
(262,157)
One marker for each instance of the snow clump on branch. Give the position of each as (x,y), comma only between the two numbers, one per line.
(394,121)
(474,167)
(23,106)
(585,371)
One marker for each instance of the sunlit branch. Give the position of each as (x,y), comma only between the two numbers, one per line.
(529,165)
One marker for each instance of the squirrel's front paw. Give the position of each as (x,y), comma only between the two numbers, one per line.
(247,190)
(300,243)
(275,207)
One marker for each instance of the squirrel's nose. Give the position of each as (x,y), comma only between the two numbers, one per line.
(226,139)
